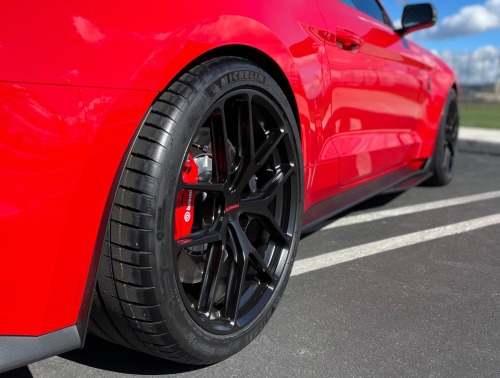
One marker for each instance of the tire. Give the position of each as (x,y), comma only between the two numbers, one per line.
(445,150)
(196,285)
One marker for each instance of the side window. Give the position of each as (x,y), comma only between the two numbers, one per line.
(348,2)
(371,8)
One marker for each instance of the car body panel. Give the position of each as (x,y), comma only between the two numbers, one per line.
(60,147)
(76,79)
(82,79)
(376,90)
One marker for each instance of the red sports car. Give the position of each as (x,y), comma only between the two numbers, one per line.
(158,160)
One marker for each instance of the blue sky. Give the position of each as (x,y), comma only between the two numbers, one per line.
(467,36)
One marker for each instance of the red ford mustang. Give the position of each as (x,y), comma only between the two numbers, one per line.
(158,160)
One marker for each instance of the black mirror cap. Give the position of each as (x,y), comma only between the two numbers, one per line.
(416,17)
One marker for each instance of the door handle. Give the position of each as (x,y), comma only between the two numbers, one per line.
(347,40)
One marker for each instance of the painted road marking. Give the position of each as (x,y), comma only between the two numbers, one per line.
(369,249)
(377,215)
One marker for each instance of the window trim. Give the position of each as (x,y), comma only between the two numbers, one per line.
(386,18)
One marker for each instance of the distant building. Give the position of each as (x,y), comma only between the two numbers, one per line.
(481,92)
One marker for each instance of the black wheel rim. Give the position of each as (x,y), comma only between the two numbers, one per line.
(450,138)
(231,265)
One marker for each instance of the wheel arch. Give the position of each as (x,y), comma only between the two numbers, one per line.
(442,80)
(257,57)
(252,54)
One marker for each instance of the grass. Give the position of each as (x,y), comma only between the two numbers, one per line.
(480,115)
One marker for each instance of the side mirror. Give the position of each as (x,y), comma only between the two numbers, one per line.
(416,17)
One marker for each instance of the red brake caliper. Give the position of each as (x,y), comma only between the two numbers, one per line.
(184,209)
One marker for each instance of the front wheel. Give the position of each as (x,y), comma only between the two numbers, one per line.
(445,150)
(206,220)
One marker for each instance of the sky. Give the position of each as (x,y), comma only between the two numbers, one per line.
(467,36)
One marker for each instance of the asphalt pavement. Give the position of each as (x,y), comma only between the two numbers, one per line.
(403,285)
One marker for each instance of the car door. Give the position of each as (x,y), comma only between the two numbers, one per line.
(376,87)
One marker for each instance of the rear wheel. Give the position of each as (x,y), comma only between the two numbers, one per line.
(206,219)
(445,150)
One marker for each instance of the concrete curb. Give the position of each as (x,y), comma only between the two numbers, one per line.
(479,147)
(477,140)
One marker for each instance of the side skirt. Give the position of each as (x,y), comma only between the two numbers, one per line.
(18,351)
(398,180)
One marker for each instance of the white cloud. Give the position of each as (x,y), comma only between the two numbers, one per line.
(471,19)
(481,66)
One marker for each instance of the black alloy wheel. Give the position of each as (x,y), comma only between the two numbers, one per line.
(229,266)
(206,220)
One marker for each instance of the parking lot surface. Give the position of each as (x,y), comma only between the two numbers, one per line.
(403,285)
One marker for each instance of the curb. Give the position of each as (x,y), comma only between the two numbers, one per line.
(466,145)
(480,141)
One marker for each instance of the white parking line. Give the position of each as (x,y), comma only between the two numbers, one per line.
(377,215)
(349,254)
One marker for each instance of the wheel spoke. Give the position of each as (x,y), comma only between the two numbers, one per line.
(268,147)
(199,238)
(259,206)
(268,192)
(272,187)
(234,291)
(274,229)
(452,146)
(211,277)
(243,247)
(263,271)
(454,135)
(447,158)
(451,133)
(246,133)
(452,125)
(220,146)
(452,116)
(246,147)
(258,209)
